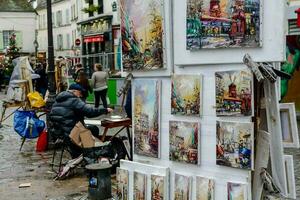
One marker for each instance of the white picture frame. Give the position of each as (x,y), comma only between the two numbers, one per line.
(290,176)
(289,127)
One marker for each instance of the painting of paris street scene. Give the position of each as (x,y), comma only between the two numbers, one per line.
(140,187)
(122,184)
(205,188)
(157,187)
(236,191)
(184,141)
(146,117)
(235,144)
(185,95)
(222,24)
(233,93)
(142,34)
(182,186)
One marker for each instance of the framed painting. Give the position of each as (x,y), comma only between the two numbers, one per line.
(184,141)
(140,186)
(289,127)
(222,24)
(205,188)
(235,144)
(186,94)
(236,191)
(182,187)
(146,117)
(290,176)
(234,93)
(122,183)
(142,34)
(158,187)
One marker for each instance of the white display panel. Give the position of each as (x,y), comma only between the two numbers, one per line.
(207,138)
(272,35)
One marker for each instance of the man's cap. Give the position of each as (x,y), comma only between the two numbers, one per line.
(76,86)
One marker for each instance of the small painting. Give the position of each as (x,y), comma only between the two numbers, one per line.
(235,144)
(205,188)
(140,187)
(184,141)
(185,95)
(234,93)
(236,191)
(157,187)
(146,117)
(122,184)
(289,127)
(142,34)
(222,24)
(182,187)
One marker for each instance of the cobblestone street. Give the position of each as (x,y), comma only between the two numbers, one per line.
(29,166)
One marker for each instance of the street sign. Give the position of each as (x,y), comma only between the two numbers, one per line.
(77,42)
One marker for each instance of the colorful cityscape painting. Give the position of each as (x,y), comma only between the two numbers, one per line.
(236,191)
(233,93)
(157,187)
(185,95)
(235,144)
(182,187)
(184,141)
(222,24)
(142,34)
(122,184)
(205,188)
(140,187)
(146,117)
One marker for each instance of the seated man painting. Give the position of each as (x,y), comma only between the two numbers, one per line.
(67,111)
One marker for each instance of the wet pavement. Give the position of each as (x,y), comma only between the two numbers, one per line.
(29,166)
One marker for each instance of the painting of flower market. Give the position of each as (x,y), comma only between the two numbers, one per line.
(233,93)
(146,117)
(185,95)
(222,24)
(184,141)
(142,34)
(235,144)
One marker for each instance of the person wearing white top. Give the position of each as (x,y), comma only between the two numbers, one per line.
(99,85)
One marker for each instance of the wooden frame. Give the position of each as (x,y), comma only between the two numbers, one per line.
(289,127)
(290,176)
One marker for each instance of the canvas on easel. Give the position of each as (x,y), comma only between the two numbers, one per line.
(140,186)
(158,187)
(205,188)
(122,177)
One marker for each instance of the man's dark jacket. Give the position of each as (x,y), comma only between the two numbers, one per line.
(68,109)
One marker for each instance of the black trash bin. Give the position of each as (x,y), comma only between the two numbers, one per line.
(99,181)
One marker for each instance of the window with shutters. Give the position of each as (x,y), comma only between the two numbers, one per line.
(68,41)
(59,18)
(60,42)
(100,6)
(67,16)
(6,36)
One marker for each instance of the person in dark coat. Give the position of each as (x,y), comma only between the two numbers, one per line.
(67,111)
(41,84)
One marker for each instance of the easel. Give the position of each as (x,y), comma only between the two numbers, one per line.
(269,144)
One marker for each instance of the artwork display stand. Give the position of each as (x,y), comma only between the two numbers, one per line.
(206,64)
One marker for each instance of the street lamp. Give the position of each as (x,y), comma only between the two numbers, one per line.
(51,73)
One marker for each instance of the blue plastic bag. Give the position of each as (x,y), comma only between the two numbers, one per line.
(27,125)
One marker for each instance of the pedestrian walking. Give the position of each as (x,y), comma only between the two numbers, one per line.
(83,81)
(67,111)
(41,83)
(78,68)
(99,84)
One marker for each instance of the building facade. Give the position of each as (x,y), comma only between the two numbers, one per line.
(19,17)
(83,31)
(65,14)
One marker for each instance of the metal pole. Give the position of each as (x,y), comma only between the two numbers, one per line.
(51,72)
